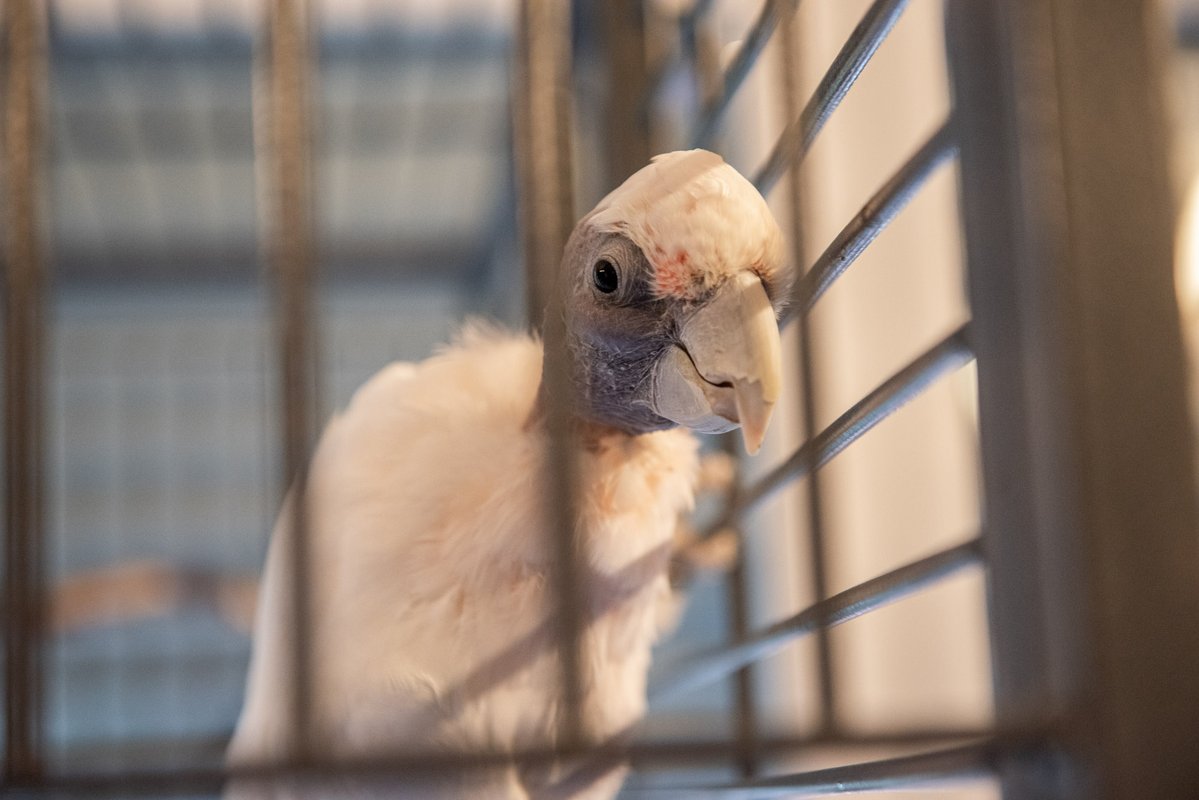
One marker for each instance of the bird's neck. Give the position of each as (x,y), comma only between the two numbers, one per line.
(589,434)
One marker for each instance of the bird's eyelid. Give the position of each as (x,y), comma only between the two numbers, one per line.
(619,248)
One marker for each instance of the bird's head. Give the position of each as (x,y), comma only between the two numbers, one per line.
(672,286)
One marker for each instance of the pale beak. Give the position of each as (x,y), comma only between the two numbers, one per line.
(728,371)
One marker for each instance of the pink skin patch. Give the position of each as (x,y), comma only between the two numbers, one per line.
(673,276)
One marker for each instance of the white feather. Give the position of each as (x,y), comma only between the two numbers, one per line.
(696,219)
(429,571)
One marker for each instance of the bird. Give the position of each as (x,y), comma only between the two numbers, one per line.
(430,588)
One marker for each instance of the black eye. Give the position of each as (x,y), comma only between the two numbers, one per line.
(605,276)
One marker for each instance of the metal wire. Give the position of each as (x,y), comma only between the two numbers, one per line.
(878,212)
(840,254)
(816,566)
(674,754)
(626,123)
(746,730)
(712,665)
(23,58)
(284,152)
(773,12)
(540,112)
(855,54)
(542,136)
(946,356)
(1111,363)
(698,44)
(906,772)
(1084,411)
(688,25)
(541,125)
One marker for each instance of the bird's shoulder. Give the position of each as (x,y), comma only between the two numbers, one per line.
(486,372)
(424,450)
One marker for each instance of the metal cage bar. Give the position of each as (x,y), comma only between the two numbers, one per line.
(853,240)
(905,772)
(878,212)
(711,83)
(691,752)
(948,355)
(1085,439)
(711,665)
(23,58)
(542,139)
(853,57)
(627,139)
(541,126)
(1087,447)
(773,12)
(745,712)
(284,154)
(816,551)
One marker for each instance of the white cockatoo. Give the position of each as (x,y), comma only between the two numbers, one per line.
(430,591)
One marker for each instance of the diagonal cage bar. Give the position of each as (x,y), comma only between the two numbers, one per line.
(712,665)
(853,57)
(836,259)
(773,12)
(673,754)
(948,355)
(976,760)
(878,212)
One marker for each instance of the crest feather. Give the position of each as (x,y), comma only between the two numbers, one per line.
(696,219)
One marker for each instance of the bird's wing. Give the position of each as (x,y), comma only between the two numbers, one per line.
(403,490)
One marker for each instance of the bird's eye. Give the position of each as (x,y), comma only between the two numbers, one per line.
(605,276)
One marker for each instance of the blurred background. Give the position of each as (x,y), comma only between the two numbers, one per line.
(164,469)
(165,472)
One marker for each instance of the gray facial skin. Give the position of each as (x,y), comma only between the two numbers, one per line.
(615,340)
(640,363)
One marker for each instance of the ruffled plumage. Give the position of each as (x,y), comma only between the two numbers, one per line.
(697,220)
(429,568)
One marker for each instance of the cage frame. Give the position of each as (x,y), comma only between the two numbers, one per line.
(1083,410)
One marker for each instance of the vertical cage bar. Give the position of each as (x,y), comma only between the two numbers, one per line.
(817,568)
(982,59)
(709,82)
(24,62)
(1087,447)
(663,59)
(626,117)
(286,168)
(541,127)
(701,49)
(727,83)
(746,717)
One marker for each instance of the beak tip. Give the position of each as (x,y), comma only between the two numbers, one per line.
(752,440)
(754,412)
